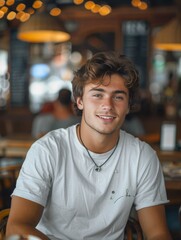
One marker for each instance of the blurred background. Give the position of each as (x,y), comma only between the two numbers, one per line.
(35,66)
(43,42)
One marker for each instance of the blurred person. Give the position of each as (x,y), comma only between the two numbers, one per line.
(58,114)
(132,124)
(81,182)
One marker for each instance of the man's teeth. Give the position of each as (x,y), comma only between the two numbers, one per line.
(106,117)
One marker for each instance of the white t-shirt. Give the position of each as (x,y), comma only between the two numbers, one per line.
(81,203)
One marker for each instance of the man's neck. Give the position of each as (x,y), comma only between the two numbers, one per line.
(95,142)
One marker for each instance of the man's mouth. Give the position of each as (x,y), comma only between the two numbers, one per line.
(105,117)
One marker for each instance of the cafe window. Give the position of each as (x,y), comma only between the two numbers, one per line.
(4,79)
(165,81)
(50,70)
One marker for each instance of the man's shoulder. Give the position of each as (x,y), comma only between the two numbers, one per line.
(135,141)
(58,134)
(55,139)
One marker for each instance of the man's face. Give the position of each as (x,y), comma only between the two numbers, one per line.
(104,106)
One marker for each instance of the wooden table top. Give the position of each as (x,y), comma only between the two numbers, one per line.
(10,164)
(167,155)
(14,147)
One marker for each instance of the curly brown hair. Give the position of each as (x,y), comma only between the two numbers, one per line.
(106,64)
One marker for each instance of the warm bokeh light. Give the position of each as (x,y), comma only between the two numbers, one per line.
(55,12)
(139,4)
(78,2)
(11,15)
(20,7)
(96,8)
(135,3)
(37,4)
(89,5)
(24,17)
(168,46)
(1,14)
(105,10)
(4,9)
(2,2)
(19,15)
(143,6)
(30,11)
(10,2)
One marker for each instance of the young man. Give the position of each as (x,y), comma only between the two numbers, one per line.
(81,182)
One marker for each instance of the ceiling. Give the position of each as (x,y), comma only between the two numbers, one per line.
(116,3)
(63,4)
(112,3)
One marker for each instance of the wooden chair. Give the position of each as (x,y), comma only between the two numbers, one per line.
(3,221)
(133,230)
(9,170)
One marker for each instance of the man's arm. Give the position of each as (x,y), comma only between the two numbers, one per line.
(24,217)
(153,223)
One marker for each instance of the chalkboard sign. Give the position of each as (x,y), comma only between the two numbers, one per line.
(19,73)
(135,46)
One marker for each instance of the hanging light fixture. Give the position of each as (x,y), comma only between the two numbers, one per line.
(169,37)
(42,27)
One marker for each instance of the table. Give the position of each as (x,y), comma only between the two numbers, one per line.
(10,165)
(15,147)
(173,184)
(12,154)
(172,156)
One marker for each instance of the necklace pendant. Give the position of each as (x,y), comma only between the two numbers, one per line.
(98,169)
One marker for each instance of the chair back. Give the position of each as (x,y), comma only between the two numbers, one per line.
(3,221)
(133,230)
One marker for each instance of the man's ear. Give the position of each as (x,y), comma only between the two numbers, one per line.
(127,110)
(79,103)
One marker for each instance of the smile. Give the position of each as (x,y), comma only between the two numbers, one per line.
(106,117)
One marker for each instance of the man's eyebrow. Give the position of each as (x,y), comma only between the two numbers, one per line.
(97,89)
(102,90)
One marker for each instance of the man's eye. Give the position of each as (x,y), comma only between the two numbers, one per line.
(98,95)
(118,98)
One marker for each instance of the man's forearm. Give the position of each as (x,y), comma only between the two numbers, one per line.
(23,229)
(161,237)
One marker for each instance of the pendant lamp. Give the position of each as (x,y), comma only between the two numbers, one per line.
(42,27)
(169,36)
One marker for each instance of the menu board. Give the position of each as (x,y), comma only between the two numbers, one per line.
(135,46)
(19,55)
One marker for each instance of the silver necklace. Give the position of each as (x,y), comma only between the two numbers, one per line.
(98,168)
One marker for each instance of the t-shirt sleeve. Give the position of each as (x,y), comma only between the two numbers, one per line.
(35,177)
(150,184)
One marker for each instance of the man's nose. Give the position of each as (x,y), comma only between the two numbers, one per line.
(107,104)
